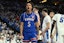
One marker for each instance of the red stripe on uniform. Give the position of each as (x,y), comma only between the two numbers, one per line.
(33,39)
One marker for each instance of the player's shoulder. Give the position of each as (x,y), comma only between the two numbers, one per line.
(47,16)
(22,14)
(58,14)
(33,13)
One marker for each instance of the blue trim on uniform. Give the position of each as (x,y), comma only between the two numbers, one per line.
(34,41)
(47,34)
(56,36)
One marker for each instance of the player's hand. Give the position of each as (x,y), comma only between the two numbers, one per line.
(38,36)
(43,33)
(51,36)
(21,37)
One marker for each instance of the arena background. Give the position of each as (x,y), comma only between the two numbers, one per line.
(10,11)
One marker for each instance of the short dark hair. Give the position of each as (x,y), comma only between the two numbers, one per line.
(45,9)
(36,8)
(51,11)
(30,3)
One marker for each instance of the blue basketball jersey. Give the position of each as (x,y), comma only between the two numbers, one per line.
(29,22)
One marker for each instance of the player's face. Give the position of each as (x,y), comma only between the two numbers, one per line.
(28,7)
(51,14)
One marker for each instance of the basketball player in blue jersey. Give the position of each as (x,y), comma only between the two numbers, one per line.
(29,25)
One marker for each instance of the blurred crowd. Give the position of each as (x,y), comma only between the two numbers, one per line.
(7,35)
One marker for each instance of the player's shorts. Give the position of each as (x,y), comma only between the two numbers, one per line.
(47,37)
(29,36)
(60,39)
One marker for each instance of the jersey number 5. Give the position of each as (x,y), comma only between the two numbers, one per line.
(62,19)
(29,24)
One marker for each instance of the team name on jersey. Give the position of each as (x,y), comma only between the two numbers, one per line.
(29,19)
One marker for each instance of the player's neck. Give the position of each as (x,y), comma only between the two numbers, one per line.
(29,12)
(36,11)
(46,14)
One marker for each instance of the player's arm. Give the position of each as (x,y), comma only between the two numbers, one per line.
(21,28)
(54,31)
(48,23)
(47,27)
(39,20)
(52,26)
(36,23)
(37,26)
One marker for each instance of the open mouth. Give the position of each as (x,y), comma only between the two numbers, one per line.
(28,7)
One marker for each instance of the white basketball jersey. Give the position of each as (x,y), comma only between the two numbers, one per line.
(59,18)
(45,21)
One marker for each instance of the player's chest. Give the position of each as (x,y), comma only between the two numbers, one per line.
(29,18)
(44,20)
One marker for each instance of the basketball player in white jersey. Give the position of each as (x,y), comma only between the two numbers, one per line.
(46,26)
(59,20)
(53,40)
(35,10)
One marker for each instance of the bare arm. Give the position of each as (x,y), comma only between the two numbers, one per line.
(39,21)
(21,28)
(37,26)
